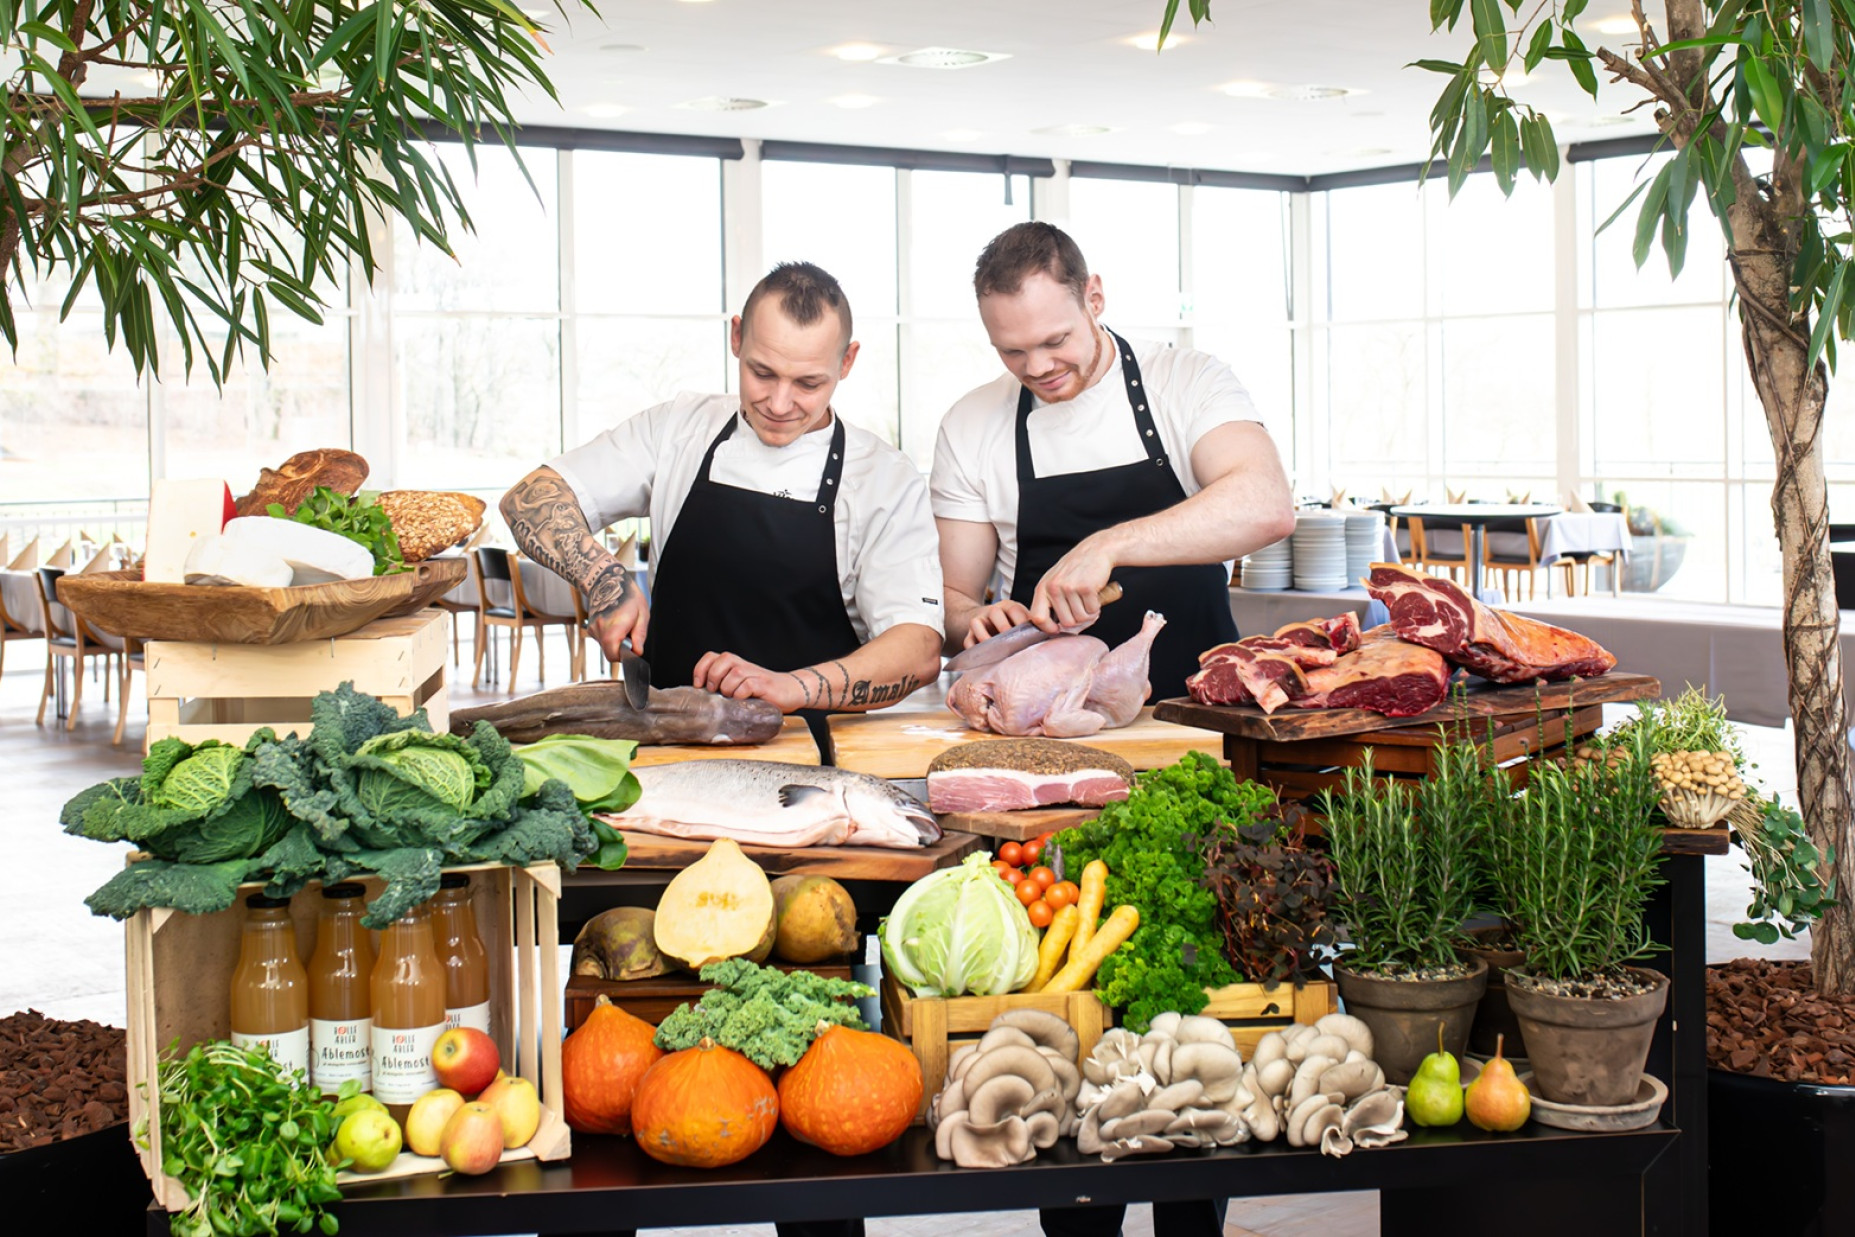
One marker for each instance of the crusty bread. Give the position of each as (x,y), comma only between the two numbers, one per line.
(427,521)
(342,471)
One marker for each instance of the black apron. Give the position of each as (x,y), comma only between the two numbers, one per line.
(1056,513)
(751,574)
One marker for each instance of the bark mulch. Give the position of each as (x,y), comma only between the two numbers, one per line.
(1766,1019)
(58,1079)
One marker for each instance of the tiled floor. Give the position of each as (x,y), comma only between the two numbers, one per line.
(60,959)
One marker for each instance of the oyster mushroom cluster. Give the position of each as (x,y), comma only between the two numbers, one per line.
(1009,1095)
(1319,1086)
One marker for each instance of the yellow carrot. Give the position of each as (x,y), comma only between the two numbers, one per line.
(1094,893)
(1084,962)
(1056,939)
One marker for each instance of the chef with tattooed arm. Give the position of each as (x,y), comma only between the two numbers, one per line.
(796,557)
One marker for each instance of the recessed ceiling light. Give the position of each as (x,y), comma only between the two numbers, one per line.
(1310,94)
(1246,89)
(855,102)
(1190,128)
(621,47)
(1073,130)
(1620,23)
(962,135)
(723,103)
(605,111)
(1361,152)
(1149,42)
(943,58)
(857,52)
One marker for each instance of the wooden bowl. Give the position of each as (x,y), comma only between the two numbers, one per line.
(119,602)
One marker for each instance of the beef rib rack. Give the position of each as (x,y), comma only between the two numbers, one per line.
(1271,671)
(1384,674)
(1506,648)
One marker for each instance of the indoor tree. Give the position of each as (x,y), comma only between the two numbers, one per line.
(238,171)
(1722,77)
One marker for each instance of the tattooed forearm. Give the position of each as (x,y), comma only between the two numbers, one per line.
(863,692)
(550,528)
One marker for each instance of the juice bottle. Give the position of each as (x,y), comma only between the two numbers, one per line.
(408,1011)
(340,1002)
(466,964)
(270,992)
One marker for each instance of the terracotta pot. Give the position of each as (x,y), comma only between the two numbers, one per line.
(1586,1051)
(1403,1014)
(1493,1017)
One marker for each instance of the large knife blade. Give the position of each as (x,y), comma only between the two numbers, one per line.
(637,678)
(1015,639)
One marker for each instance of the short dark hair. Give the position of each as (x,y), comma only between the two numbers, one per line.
(804,291)
(1026,249)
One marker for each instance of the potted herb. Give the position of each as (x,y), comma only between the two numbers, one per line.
(1405,864)
(1576,860)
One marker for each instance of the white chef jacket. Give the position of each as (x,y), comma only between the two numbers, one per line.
(975,457)
(888,553)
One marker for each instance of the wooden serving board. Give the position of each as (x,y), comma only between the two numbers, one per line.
(793,745)
(1246,721)
(900,745)
(876,863)
(1021,825)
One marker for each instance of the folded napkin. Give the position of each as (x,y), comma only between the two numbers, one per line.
(62,557)
(1519,498)
(104,560)
(27,559)
(1576,502)
(1338,499)
(1456,496)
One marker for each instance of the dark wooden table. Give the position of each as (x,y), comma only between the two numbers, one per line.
(1477,516)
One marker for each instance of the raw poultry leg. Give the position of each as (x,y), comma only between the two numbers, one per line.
(1119,684)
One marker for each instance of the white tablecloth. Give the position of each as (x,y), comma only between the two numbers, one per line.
(1585,532)
(20,591)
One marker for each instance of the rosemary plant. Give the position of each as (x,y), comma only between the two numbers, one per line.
(1405,860)
(1576,861)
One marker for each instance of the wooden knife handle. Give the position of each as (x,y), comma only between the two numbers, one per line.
(1111,591)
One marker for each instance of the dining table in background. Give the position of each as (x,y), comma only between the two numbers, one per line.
(1477,517)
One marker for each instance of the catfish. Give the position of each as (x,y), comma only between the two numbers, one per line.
(600,709)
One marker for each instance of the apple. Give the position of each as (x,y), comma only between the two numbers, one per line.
(425,1123)
(369,1137)
(516,1103)
(465,1060)
(472,1139)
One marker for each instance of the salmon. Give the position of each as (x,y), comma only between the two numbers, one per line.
(765,803)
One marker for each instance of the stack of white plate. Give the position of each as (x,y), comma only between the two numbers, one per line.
(1320,551)
(1365,542)
(1268,569)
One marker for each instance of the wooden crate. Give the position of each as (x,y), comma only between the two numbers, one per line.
(655,999)
(1252,1011)
(180,972)
(1302,768)
(227,691)
(933,1027)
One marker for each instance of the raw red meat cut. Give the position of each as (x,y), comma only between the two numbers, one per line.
(1339,633)
(1008,790)
(1506,648)
(1384,674)
(1271,670)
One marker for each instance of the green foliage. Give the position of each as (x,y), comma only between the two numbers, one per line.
(1576,860)
(769,1016)
(192,804)
(247,1141)
(599,773)
(1406,860)
(1789,890)
(1691,722)
(244,178)
(1153,844)
(359,518)
(407,769)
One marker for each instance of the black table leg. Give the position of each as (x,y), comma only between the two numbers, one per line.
(1675,1188)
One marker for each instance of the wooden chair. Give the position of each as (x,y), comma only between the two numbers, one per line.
(68,636)
(1424,558)
(1510,566)
(12,629)
(499,566)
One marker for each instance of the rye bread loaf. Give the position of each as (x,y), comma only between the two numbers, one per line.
(287,486)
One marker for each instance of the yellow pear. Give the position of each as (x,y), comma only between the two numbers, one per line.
(1496,1100)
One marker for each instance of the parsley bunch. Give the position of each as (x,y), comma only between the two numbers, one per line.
(359,519)
(1153,843)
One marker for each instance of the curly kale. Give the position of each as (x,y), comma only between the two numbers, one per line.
(769,1016)
(1153,843)
(197,888)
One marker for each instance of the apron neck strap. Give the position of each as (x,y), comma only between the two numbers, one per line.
(1135,385)
(828,482)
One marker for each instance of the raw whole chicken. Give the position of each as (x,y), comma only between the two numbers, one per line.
(1066,687)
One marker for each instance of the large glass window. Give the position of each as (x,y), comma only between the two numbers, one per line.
(1239,306)
(1129,232)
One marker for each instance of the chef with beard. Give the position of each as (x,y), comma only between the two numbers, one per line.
(795,554)
(1095,458)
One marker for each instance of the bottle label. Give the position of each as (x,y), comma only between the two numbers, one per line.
(476,1017)
(403,1062)
(289,1049)
(340,1049)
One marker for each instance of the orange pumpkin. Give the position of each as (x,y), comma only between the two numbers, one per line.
(601,1064)
(852,1092)
(704,1107)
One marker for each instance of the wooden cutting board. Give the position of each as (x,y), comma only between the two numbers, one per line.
(875,863)
(900,745)
(1484,699)
(1021,825)
(793,745)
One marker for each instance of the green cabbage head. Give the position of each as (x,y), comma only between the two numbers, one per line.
(960,931)
(410,770)
(202,781)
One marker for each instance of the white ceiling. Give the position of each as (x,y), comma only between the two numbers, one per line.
(1071,63)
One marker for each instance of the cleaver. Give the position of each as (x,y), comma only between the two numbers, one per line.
(1015,640)
(637,679)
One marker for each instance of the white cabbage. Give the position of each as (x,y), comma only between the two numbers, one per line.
(960,931)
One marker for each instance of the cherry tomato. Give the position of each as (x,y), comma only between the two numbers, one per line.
(1032,850)
(1061,894)
(1043,876)
(1040,913)
(1003,869)
(1011,853)
(1029,891)
(1012,875)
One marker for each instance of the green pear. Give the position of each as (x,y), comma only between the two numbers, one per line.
(1435,1093)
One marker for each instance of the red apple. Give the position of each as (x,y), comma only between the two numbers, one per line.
(465,1060)
(517,1105)
(472,1139)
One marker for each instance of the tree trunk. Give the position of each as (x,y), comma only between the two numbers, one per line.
(1793,394)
